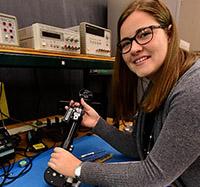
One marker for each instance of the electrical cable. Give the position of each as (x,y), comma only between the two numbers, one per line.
(26,169)
(6,170)
(3,175)
(8,177)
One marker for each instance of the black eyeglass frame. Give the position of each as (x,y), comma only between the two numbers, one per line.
(152,27)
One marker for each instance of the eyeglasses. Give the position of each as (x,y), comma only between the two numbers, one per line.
(142,37)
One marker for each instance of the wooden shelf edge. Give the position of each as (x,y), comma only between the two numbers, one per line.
(20,50)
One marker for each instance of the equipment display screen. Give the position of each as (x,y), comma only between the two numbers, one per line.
(94,30)
(51,35)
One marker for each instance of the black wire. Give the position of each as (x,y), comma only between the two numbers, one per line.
(6,172)
(22,173)
(3,175)
(25,170)
(7,175)
(10,166)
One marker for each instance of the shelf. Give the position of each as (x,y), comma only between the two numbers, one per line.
(25,57)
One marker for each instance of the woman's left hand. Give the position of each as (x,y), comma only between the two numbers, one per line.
(63,162)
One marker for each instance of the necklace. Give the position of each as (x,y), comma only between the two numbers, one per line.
(150,144)
(148,133)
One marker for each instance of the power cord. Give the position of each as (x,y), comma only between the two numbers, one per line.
(8,176)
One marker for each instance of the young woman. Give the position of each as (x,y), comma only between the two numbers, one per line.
(166,136)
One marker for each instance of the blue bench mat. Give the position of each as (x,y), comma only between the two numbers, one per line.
(82,145)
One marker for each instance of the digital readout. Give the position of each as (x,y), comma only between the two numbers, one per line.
(51,35)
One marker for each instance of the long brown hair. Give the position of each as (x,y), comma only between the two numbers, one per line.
(177,61)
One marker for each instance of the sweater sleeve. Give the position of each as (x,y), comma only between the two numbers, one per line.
(124,142)
(175,152)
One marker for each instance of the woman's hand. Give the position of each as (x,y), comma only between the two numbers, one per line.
(63,162)
(90,116)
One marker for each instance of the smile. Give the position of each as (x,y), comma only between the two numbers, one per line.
(141,60)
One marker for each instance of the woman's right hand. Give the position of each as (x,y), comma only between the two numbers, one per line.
(90,116)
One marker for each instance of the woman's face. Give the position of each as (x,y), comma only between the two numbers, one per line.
(144,60)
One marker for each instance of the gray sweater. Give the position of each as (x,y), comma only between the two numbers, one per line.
(176,152)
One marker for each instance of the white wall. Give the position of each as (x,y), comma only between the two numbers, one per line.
(189,22)
(115,8)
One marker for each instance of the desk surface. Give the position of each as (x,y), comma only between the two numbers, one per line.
(82,145)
